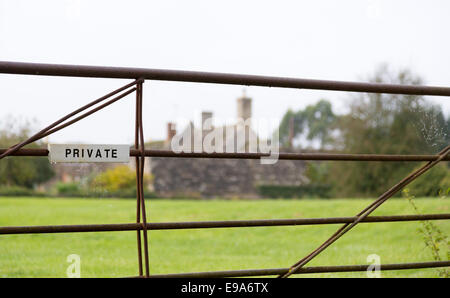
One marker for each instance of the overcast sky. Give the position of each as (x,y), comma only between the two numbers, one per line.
(337,40)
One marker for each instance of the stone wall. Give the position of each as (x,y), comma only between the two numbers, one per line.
(220,177)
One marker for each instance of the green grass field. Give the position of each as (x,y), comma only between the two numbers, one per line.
(113,254)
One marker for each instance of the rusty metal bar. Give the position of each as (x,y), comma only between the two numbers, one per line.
(138,194)
(282,156)
(140,177)
(366,212)
(206,77)
(304,270)
(214,224)
(210,77)
(88,113)
(51,128)
(60,124)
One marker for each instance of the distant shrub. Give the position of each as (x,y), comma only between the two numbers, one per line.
(431,183)
(70,189)
(288,191)
(17,191)
(117,179)
(129,193)
(118,182)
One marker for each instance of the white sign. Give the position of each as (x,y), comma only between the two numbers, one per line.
(88,153)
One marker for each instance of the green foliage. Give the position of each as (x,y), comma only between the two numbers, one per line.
(318,172)
(111,180)
(431,183)
(21,171)
(386,124)
(126,193)
(69,189)
(319,119)
(437,242)
(375,124)
(283,129)
(300,191)
(74,189)
(316,121)
(12,191)
(118,180)
(444,189)
(319,176)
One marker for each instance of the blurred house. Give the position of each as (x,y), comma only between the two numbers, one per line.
(202,177)
(205,177)
(74,173)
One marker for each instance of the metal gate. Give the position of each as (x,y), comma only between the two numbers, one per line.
(141,226)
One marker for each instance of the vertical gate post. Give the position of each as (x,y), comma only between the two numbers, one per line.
(138,194)
(140,161)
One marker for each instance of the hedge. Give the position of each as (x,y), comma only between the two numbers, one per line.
(299,191)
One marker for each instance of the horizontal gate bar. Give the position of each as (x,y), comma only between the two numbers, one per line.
(213,224)
(282,156)
(305,270)
(210,77)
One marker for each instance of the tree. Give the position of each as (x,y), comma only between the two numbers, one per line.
(315,122)
(387,124)
(319,120)
(21,170)
(432,182)
(288,119)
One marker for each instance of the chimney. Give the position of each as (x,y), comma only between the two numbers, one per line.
(171,131)
(244,107)
(244,113)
